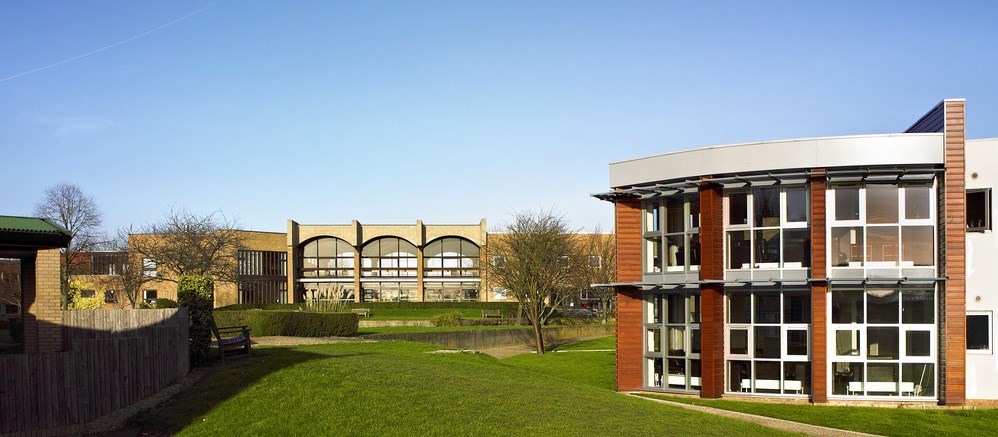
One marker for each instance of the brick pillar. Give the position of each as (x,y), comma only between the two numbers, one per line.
(953,341)
(630,326)
(819,290)
(711,294)
(43,300)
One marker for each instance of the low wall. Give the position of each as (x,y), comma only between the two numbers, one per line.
(383,323)
(492,338)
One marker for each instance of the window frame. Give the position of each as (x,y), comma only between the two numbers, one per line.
(987,209)
(991,346)
(656,235)
(752,228)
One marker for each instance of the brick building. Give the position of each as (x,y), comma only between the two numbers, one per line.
(842,268)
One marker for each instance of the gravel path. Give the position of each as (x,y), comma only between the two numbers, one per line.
(780,424)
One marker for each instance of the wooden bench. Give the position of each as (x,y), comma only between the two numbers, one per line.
(363,312)
(236,337)
(491,314)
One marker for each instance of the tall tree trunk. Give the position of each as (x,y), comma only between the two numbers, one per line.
(538,338)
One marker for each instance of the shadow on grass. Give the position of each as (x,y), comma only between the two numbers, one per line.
(223,381)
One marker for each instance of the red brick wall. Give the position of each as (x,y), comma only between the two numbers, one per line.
(954,212)
(819,290)
(711,295)
(629,323)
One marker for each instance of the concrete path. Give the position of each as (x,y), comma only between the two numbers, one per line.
(785,425)
(508,351)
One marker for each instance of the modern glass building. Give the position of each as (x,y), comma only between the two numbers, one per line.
(821,269)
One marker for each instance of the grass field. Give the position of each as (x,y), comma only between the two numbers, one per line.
(873,420)
(414,329)
(566,361)
(398,388)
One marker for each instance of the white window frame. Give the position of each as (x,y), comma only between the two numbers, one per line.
(862,357)
(649,355)
(991,332)
(861,223)
(751,227)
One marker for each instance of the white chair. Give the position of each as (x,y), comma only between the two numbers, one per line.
(746,385)
(794,386)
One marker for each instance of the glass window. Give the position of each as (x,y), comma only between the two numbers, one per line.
(882,342)
(917,343)
(881,203)
(847,203)
(739,251)
(796,248)
(847,342)
(739,342)
(796,342)
(451,256)
(676,308)
(847,307)
(767,248)
(918,306)
(655,340)
(694,211)
(882,379)
(797,378)
(882,244)
(797,205)
(979,332)
(847,378)
(979,210)
(882,306)
(918,379)
(653,255)
(767,307)
(739,307)
(766,204)
(917,247)
(677,340)
(693,308)
(847,247)
(767,376)
(674,215)
(653,222)
(738,208)
(767,342)
(740,376)
(916,202)
(675,256)
(796,307)
(694,251)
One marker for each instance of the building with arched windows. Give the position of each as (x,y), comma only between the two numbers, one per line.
(841,268)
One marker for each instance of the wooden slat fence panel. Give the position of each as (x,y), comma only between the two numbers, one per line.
(113,358)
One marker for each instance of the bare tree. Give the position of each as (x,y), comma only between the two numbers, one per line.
(71,208)
(10,282)
(538,261)
(602,270)
(185,243)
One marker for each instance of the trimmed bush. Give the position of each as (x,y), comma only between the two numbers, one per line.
(162,303)
(197,293)
(291,323)
(447,319)
(505,307)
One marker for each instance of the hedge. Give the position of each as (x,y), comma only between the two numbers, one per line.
(503,306)
(197,294)
(290,323)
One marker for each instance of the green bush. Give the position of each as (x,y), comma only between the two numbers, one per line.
(447,319)
(162,303)
(290,323)
(88,303)
(505,307)
(197,293)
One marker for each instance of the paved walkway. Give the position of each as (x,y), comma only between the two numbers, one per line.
(785,425)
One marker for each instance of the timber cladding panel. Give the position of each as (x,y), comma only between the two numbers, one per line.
(819,289)
(628,229)
(953,245)
(629,339)
(629,303)
(711,232)
(712,295)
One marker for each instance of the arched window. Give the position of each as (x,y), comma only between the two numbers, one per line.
(389,257)
(327,257)
(451,256)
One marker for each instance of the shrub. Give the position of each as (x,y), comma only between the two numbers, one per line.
(291,323)
(447,319)
(505,307)
(87,303)
(162,303)
(197,293)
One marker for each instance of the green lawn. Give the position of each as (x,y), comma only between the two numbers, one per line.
(397,388)
(420,313)
(874,420)
(414,329)
(590,368)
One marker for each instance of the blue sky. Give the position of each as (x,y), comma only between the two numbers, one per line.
(448,111)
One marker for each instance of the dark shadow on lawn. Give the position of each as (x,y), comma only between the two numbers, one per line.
(224,380)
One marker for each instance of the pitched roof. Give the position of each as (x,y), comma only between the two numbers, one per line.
(32,232)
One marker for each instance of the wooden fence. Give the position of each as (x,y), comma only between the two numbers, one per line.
(111,359)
